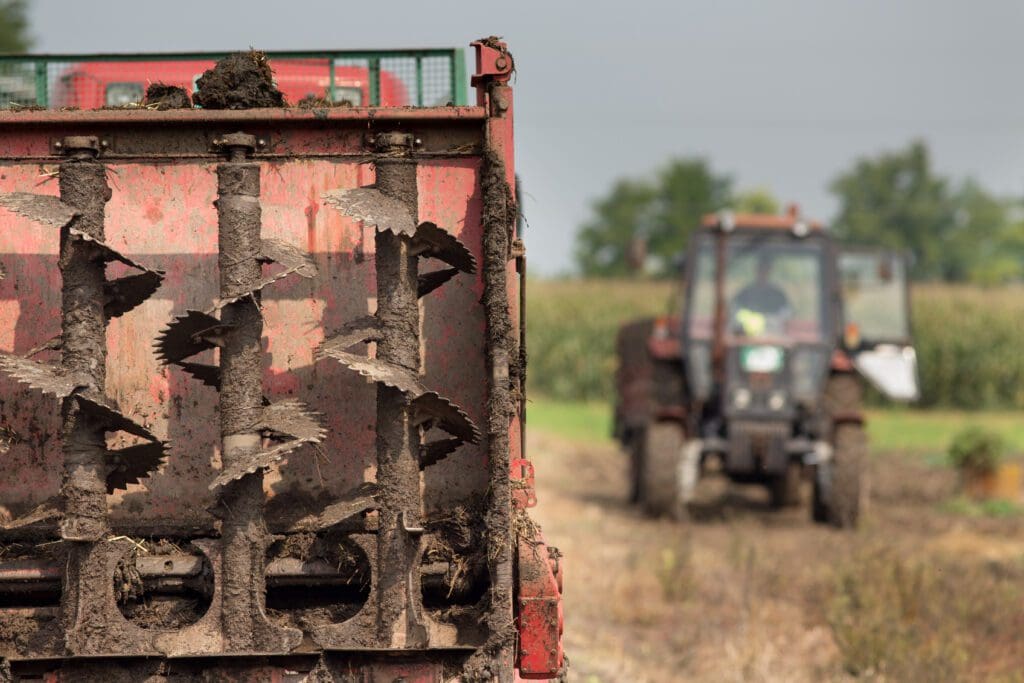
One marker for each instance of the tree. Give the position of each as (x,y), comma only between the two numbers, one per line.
(757,200)
(603,244)
(953,233)
(14,35)
(661,212)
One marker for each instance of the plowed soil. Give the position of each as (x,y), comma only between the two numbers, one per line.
(747,593)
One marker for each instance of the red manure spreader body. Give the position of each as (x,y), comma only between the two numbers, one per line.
(261,397)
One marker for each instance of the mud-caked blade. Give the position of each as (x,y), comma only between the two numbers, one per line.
(49,509)
(291,418)
(379,371)
(49,379)
(125,293)
(433,452)
(434,410)
(235,297)
(41,208)
(354,332)
(106,252)
(428,282)
(288,420)
(293,259)
(133,464)
(440,244)
(373,208)
(361,499)
(100,408)
(183,337)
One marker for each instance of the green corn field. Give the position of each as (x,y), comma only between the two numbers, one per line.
(968,339)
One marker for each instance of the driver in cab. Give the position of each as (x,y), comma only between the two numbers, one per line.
(761,306)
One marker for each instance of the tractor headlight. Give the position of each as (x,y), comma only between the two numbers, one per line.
(741,398)
(777,400)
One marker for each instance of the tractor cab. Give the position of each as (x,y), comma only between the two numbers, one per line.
(759,322)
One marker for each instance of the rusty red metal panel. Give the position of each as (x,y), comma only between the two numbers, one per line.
(164,214)
(540,619)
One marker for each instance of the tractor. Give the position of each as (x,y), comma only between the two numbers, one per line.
(761,373)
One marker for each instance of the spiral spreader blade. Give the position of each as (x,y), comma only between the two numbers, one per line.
(287,420)
(290,418)
(124,294)
(41,208)
(373,207)
(438,243)
(54,343)
(362,498)
(45,511)
(100,408)
(107,253)
(433,452)
(354,332)
(428,282)
(293,259)
(385,373)
(132,464)
(49,379)
(182,338)
(429,408)
(434,410)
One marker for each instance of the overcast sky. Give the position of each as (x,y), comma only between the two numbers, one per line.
(782,94)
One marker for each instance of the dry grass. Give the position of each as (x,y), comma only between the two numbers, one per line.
(749,594)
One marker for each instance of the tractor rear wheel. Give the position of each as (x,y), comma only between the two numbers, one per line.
(661,477)
(839,485)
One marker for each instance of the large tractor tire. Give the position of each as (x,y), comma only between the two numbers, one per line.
(637,443)
(840,488)
(661,487)
(785,488)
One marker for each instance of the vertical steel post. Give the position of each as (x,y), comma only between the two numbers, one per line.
(83,185)
(241,394)
(398,439)
(419,80)
(374,73)
(42,84)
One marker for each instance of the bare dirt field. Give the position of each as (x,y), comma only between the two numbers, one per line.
(923,591)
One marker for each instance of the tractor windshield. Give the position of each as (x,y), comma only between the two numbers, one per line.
(772,289)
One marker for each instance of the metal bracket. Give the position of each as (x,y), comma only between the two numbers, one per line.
(493,62)
(392,141)
(411,530)
(494,67)
(80,146)
(237,146)
(524,493)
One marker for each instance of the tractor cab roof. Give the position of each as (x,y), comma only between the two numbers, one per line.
(791,221)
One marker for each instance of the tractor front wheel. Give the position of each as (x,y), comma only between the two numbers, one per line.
(663,485)
(840,488)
